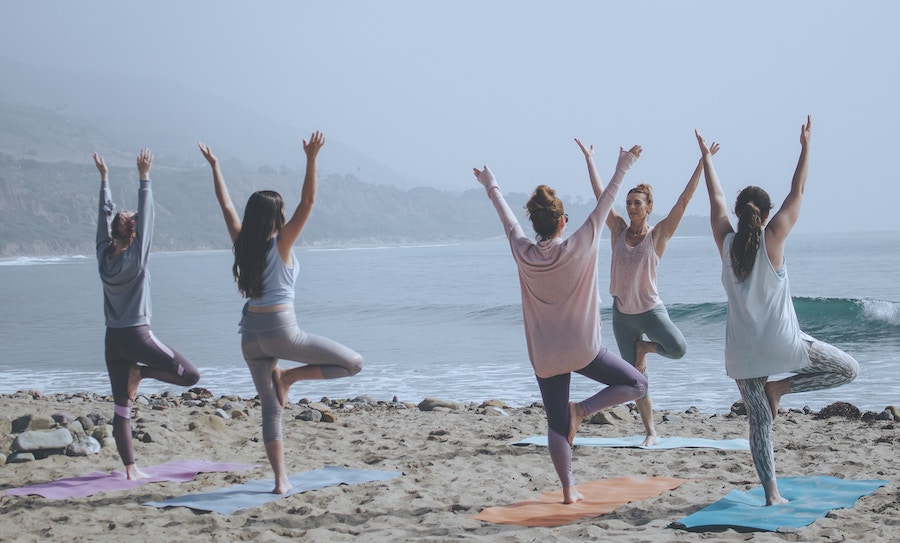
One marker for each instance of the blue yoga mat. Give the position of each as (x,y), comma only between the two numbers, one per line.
(673,442)
(809,498)
(256,493)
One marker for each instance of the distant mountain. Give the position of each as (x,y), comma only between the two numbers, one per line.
(74,113)
(50,122)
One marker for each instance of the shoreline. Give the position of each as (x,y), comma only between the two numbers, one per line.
(456,460)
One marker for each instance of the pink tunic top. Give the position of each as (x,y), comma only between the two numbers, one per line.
(632,276)
(558,280)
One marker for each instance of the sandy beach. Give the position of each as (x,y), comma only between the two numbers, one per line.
(455,462)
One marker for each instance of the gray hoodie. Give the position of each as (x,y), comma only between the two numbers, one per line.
(126,280)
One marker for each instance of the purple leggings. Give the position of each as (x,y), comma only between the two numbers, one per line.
(126,347)
(625,384)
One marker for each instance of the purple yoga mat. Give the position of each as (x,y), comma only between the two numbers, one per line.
(93,483)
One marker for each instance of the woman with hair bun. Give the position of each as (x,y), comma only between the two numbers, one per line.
(561,310)
(132,351)
(637,248)
(762,335)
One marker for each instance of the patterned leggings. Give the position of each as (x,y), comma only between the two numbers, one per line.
(828,367)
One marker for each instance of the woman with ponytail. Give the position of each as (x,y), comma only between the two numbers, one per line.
(763,336)
(132,351)
(561,310)
(265,269)
(637,248)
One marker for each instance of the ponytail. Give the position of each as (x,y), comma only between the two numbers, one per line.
(752,208)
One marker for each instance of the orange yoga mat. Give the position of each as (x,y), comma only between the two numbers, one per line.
(599,497)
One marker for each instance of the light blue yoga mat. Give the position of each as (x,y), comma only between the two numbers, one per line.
(673,442)
(809,498)
(256,493)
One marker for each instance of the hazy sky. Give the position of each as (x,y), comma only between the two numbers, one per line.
(433,88)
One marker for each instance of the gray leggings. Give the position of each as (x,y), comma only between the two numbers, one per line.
(829,367)
(267,337)
(658,327)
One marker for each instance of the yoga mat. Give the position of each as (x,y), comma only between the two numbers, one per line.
(599,497)
(92,483)
(672,442)
(809,498)
(255,493)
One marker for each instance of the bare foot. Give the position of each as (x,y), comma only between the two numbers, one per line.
(774,391)
(133,473)
(641,350)
(650,440)
(571,495)
(282,486)
(134,380)
(773,497)
(281,390)
(576,415)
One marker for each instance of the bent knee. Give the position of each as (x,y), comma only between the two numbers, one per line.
(191,377)
(641,387)
(355,365)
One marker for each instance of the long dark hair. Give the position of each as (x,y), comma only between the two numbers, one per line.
(544,210)
(263,218)
(752,207)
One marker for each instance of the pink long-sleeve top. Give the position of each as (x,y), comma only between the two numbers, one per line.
(558,279)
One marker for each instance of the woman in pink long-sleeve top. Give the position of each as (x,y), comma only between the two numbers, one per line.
(561,310)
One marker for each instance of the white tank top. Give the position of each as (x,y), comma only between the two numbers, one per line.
(632,276)
(762,334)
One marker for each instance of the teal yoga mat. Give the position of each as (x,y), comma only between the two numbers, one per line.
(255,493)
(809,498)
(673,442)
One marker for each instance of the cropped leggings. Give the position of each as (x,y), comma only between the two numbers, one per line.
(829,367)
(126,347)
(268,337)
(625,384)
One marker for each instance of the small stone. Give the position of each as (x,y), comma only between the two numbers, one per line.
(310,415)
(329,417)
(86,423)
(63,418)
(103,432)
(19,457)
(738,408)
(495,411)
(83,447)
(668,417)
(32,422)
(493,403)
(41,440)
(76,429)
(237,414)
(222,413)
(895,411)
(433,404)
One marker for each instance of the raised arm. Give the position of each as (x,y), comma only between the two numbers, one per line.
(511,226)
(105,207)
(291,230)
(666,228)
(143,222)
(232,220)
(718,208)
(614,221)
(784,220)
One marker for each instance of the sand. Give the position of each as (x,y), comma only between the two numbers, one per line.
(455,463)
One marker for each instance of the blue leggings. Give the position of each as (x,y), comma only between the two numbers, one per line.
(267,337)
(625,384)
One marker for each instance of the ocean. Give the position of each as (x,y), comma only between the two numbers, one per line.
(445,321)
